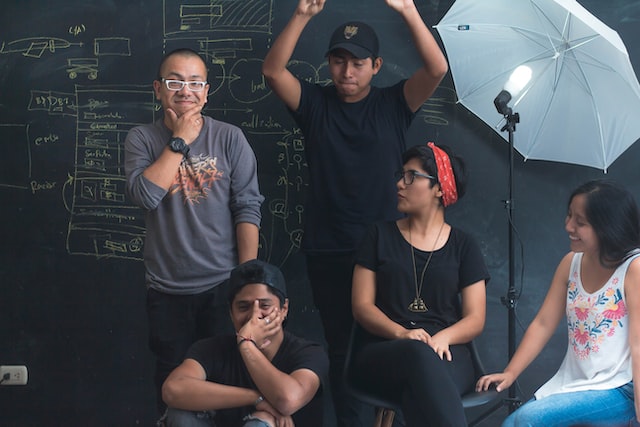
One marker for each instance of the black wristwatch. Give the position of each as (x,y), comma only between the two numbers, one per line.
(177,145)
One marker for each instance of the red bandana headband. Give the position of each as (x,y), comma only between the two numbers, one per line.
(445,175)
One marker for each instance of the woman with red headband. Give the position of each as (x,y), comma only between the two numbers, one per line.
(419,294)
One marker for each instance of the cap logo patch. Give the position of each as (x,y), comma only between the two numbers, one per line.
(350,31)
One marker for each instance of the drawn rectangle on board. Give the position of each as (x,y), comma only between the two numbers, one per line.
(116,46)
(15,169)
(191,11)
(216,15)
(227,45)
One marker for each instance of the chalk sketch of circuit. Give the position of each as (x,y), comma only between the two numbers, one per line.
(36,47)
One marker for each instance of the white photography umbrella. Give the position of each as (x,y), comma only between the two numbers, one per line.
(582,104)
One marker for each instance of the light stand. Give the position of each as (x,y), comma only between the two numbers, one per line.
(512,295)
(517,81)
(512,402)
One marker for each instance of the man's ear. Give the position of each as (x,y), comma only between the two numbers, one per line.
(377,64)
(285,307)
(206,97)
(156,88)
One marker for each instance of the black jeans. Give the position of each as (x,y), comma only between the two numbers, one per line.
(330,277)
(411,373)
(177,321)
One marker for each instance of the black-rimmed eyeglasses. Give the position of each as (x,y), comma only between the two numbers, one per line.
(410,175)
(177,85)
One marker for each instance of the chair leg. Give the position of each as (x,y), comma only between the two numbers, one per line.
(384,417)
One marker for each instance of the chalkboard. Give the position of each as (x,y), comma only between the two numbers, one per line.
(75,76)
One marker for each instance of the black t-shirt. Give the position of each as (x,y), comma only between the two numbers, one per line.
(459,263)
(223,364)
(352,150)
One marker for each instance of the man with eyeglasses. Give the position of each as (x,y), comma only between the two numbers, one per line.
(196,178)
(354,134)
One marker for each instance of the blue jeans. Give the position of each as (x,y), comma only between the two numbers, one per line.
(610,408)
(180,418)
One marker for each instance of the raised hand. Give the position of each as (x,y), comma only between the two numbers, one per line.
(401,5)
(310,7)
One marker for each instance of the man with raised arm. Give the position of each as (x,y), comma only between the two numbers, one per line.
(354,138)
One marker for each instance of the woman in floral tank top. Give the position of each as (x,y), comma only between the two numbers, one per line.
(597,287)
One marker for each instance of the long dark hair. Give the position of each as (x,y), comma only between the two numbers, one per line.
(613,213)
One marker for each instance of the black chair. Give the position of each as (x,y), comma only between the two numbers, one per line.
(386,409)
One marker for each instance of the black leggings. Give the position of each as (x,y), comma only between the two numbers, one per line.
(409,371)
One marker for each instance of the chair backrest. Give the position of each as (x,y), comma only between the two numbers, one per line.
(469,400)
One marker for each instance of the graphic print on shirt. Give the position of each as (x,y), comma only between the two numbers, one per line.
(592,317)
(195,177)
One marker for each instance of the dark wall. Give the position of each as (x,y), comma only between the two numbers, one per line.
(75,76)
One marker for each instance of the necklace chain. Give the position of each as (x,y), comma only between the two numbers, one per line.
(418,304)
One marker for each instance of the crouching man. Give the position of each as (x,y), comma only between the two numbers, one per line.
(263,376)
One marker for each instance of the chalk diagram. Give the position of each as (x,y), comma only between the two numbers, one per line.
(224,32)
(101,224)
(233,37)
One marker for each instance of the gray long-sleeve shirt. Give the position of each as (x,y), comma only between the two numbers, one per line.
(190,243)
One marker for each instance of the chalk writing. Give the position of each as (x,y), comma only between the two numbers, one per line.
(40,140)
(39,186)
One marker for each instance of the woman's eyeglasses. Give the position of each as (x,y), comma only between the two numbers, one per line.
(410,175)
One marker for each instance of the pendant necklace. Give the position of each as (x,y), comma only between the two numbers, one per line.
(418,305)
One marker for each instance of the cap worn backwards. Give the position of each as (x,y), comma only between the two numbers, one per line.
(356,37)
(256,271)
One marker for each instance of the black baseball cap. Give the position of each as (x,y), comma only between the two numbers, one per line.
(257,271)
(356,37)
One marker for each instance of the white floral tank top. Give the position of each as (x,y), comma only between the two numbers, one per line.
(598,355)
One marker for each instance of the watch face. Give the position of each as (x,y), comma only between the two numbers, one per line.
(179,146)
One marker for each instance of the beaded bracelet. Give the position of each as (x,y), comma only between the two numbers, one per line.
(243,339)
